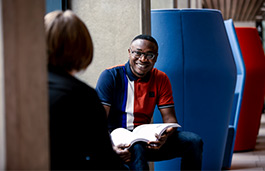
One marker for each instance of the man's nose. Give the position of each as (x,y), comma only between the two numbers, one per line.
(143,57)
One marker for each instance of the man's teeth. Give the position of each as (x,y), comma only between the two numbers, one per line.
(141,65)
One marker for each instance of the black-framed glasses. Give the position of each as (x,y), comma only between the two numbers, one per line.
(148,55)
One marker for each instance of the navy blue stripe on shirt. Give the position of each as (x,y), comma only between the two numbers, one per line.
(124,119)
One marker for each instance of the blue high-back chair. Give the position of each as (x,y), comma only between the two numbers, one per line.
(241,74)
(195,53)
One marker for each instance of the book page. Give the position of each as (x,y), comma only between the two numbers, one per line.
(145,133)
(149,130)
(121,136)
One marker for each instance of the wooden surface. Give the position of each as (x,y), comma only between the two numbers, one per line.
(25,77)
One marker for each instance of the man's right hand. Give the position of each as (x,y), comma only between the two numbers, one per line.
(123,152)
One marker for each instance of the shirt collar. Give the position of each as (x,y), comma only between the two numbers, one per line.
(132,77)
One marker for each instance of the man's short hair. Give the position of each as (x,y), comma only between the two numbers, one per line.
(146,37)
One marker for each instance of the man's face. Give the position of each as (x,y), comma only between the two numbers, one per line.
(140,63)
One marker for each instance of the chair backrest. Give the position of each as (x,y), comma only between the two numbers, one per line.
(194,51)
(254,88)
(241,74)
(241,70)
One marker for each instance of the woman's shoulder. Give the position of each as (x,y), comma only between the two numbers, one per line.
(68,83)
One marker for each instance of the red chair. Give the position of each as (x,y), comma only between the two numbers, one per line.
(254,90)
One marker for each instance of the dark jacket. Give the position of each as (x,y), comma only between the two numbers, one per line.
(78,128)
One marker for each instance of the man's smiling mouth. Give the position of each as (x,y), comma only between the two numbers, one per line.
(142,66)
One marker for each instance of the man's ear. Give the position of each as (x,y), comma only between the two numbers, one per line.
(129,51)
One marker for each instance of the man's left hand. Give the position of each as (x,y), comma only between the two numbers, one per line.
(161,140)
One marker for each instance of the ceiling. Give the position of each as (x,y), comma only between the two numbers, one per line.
(238,10)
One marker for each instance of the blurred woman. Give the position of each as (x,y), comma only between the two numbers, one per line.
(78,128)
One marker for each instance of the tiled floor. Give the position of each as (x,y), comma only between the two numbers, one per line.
(252,160)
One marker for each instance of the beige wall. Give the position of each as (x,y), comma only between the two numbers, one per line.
(196,4)
(180,4)
(244,24)
(112,24)
(164,4)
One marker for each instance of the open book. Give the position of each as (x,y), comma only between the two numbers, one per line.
(145,133)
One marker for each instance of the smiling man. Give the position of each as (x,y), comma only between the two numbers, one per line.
(129,94)
(142,55)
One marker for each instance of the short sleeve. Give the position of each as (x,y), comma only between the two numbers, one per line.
(165,92)
(105,87)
